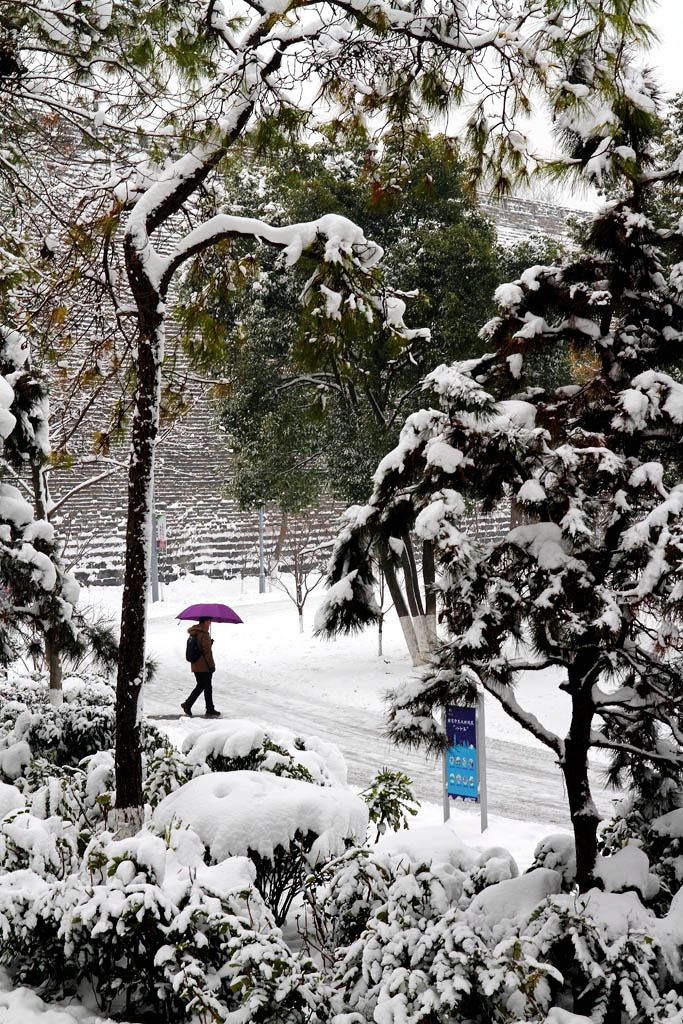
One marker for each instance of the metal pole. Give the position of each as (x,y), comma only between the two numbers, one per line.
(261,554)
(481,758)
(155,561)
(444,765)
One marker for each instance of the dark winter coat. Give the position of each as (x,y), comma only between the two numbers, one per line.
(206,662)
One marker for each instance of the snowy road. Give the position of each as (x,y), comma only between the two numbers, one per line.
(333,691)
(523,783)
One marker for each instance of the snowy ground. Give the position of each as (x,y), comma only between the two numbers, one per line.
(270,672)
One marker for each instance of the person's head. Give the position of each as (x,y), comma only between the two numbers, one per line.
(206,622)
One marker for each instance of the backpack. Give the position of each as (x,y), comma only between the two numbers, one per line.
(193,651)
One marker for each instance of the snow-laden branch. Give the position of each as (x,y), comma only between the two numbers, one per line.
(342,236)
(508,701)
(598,740)
(104,475)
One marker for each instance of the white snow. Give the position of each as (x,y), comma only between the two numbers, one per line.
(239,737)
(233,812)
(628,868)
(670,824)
(13,506)
(543,541)
(23,1006)
(531,492)
(435,845)
(10,799)
(508,296)
(515,897)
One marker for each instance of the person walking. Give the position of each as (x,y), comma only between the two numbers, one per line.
(203,668)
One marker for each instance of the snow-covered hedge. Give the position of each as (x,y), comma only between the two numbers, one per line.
(150,927)
(513,955)
(238,745)
(83,725)
(286,826)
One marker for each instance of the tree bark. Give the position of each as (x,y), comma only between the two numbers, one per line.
(574,765)
(429,580)
(279,545)
(401,607)
(131,665)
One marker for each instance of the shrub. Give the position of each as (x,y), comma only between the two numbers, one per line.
(420,960)
(341,896)
(390,801)
(83,725)
(240,745)
(285,826)
(605,952)
(157,935)
(659,836)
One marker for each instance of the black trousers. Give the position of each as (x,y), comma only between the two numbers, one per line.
(203,686)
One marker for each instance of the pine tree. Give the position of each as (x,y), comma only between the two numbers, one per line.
(590,583)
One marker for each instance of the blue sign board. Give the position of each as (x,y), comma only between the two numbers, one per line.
(462,772)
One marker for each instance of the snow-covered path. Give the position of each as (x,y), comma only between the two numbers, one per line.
(269,672)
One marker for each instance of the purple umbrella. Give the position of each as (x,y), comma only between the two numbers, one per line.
(215,612)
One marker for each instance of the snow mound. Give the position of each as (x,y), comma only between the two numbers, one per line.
(10,799)
(516,897)
(620,913)
(25,1006)
(628,868)
(437,846)
(240,737)
(558,1016)
(670,824)
(235,812)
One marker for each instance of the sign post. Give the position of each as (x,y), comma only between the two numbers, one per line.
(464,760)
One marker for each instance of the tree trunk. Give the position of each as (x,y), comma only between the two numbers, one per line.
(404,618)
(279,545)
(584,815)
(53,657)
(429,580)
(131,664)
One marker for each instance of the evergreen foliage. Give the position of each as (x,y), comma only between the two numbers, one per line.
(589,582)
(308,413)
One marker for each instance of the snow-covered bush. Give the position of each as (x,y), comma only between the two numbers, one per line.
(166,770)
(605,948)
(390,801)
(242,745)
(421,959)
(83,725)
(515,954)
(495,865)
(557,853)
(152,929)
(83,796)
(659,836)
(48,846)
(285,826)
(341,896)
